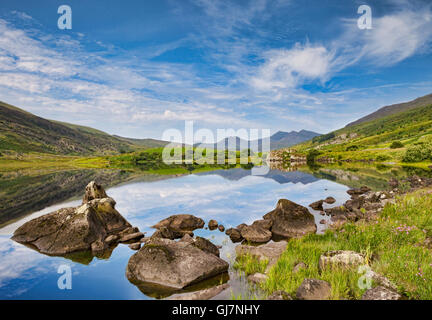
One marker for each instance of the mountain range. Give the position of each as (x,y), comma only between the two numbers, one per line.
(278,140)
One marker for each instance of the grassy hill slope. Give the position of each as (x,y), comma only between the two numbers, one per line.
(24,132)
(393,109)
(384,139)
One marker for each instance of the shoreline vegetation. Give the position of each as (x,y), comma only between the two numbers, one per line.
(396,246)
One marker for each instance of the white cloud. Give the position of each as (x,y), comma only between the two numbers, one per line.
(288,68)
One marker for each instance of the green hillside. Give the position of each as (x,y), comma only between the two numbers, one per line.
(388,138)
(21,131)
(394,109)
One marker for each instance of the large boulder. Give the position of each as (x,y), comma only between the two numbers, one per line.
(291,220)
(180,224)
(172,264)
(256,234)
(201,243)
(69,230)
(314,289)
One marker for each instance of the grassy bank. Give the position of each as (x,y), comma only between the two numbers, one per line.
(394,246)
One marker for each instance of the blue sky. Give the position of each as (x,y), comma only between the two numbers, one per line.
(137,68)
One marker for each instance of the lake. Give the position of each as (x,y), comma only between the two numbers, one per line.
(230,196)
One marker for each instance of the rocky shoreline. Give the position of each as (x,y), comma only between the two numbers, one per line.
(172,259)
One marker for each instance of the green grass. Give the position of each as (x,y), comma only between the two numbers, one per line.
(249,264)
(393,246)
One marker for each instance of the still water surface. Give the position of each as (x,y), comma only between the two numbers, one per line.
(229,196)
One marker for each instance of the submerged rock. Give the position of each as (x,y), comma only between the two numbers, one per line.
(221,228)
(330,200)
(180,224)
(69,230)
(291,220)
(135,246)
(317,205)
(359,191)
(171,264)
(314,289)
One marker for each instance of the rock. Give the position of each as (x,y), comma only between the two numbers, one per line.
(204,294)
(213,224)
(317,205)
(98,246)
(256,234)
(279,295)
(299,266)
(234,235)
(132,236)
(172,264)
(341,259)
(221,228)
(166,233)
(128,230)
(257,277)
(393,183)
(314,289)
(180,224)
(381,280)
(201,243)
(381,293)
(206,246)
(241,226)
(135,246)
(111,239)
(355,203)
(359,191)
(144,239)
(93,191)
(291,220)
(264,224)
(270,251)
(70,230)
(330,200)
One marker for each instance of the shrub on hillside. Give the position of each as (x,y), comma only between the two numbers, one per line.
(352,148)
(312,154)
(396,144)
(418,152)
